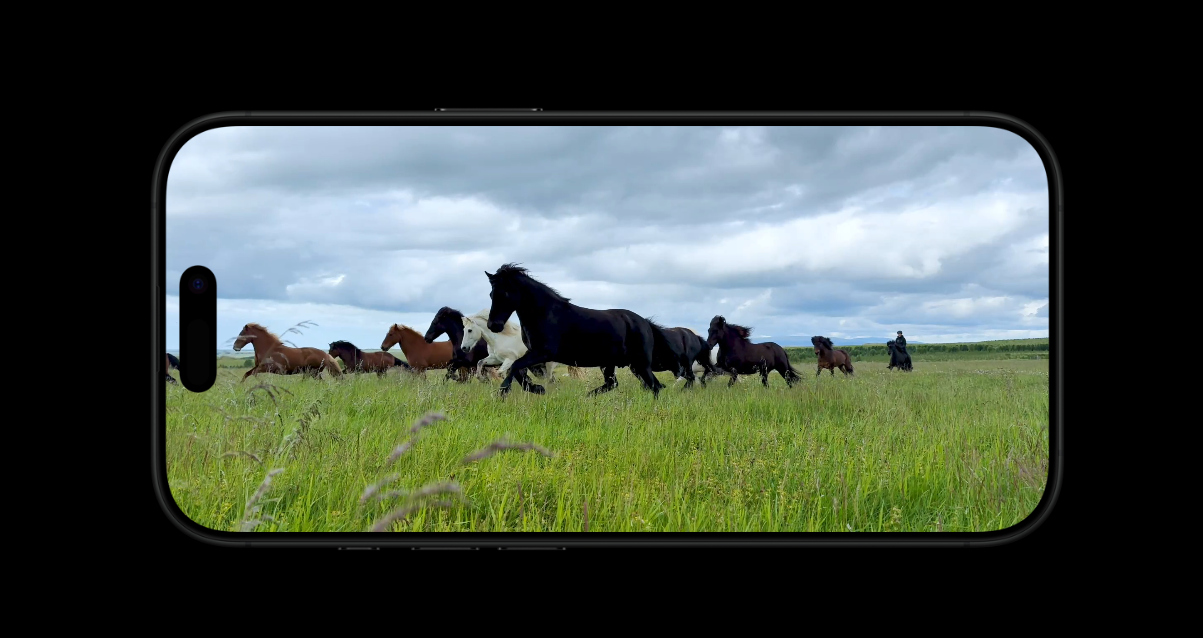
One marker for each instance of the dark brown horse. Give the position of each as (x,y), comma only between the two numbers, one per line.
(738,355)
(356,360)
(172,362)
(271,355)
(830,358)
(422,356)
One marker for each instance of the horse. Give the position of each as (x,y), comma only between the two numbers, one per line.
(706,366)
(677,350)
(448,321)
(422,356)
(356,360)
(565,333)
(830,358)
(271,355)
(738,355)
(172,362)
(899,357)
(505,347)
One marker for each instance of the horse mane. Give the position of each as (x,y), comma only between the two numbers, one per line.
(261,328)
(268,333)
(515,273)
(743,331)
(823,341)
(402,327)
(509,330)
(347,344)
(654,324)
(446,310)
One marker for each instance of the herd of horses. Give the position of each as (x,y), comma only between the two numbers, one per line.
(551,331)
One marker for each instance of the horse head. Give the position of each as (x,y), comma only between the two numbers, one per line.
(505,302)
(392,338)
(436,327)
(472,334)
(246,336)
(718,330)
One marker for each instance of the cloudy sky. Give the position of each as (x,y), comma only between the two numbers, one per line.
(850,232)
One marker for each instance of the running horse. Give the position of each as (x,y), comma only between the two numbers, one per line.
(422,356)
(899,357)
(172,363)
(830,358)
(565,333)
(356,360)
(678,350)
(271,355)
(738,355)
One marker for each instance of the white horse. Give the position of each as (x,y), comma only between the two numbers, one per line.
(504,347)
(698,370)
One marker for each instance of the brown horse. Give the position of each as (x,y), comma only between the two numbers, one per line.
(830,358)
(271,355)
(422,356)
(356,360)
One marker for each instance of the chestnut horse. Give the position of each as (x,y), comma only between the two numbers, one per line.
(271,355)
(172,362)
(422,356)
(830,358)
(356,360)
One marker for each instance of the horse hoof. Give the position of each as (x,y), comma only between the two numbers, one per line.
(537,389)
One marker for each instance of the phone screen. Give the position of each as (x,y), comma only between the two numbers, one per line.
(453,330)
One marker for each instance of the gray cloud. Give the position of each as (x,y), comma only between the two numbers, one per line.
(796,229)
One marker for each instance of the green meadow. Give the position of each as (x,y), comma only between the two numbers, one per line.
(961,444)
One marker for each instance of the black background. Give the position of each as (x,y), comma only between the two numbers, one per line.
(151,543)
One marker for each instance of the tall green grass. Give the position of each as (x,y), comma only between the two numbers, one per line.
(953,446)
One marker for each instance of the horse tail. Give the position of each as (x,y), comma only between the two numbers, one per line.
(849,358)
(332,365)
(175,363)
(398,362)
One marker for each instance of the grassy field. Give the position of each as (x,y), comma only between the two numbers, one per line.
(957,445)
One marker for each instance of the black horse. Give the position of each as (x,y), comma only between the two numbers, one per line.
(569,334)
(172,364)
(448,321)
(738,355)
(676,350)
(899,357)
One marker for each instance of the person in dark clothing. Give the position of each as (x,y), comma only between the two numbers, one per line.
(901,341)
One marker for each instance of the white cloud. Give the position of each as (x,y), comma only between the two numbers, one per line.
(792,229)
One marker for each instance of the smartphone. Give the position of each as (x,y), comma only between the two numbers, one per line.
(501,329)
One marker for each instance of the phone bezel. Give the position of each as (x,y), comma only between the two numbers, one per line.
(364,540)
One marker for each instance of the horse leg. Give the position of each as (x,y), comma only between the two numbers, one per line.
(259,369)
(690,377)
(734,377)
(518,369)
(818,370)
(611,381)
(649,379)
